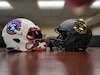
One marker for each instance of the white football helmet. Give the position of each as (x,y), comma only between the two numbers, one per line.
(23,35)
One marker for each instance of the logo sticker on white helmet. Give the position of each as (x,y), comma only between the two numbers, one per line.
(13,26)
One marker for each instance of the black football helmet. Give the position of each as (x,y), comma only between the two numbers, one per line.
(74,35)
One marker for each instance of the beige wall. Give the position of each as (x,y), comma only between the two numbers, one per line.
(96,29)
(48,30)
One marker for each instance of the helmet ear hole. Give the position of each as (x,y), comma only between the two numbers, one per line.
(16,40)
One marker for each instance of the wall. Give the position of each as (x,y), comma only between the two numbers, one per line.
(48,30)
(96,29)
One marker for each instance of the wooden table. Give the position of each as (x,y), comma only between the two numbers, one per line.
(50,63)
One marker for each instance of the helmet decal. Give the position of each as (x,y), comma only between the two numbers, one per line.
(80,27)
(13,26)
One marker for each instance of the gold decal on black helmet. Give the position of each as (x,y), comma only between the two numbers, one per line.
(80,27)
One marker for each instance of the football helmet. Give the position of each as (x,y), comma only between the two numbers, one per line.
(23,35)
(74,35)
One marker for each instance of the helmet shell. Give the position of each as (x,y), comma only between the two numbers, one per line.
(75,34)
(16,35)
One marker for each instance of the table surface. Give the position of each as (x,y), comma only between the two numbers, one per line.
(50,63)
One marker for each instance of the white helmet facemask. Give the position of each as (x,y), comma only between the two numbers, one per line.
(23,35)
